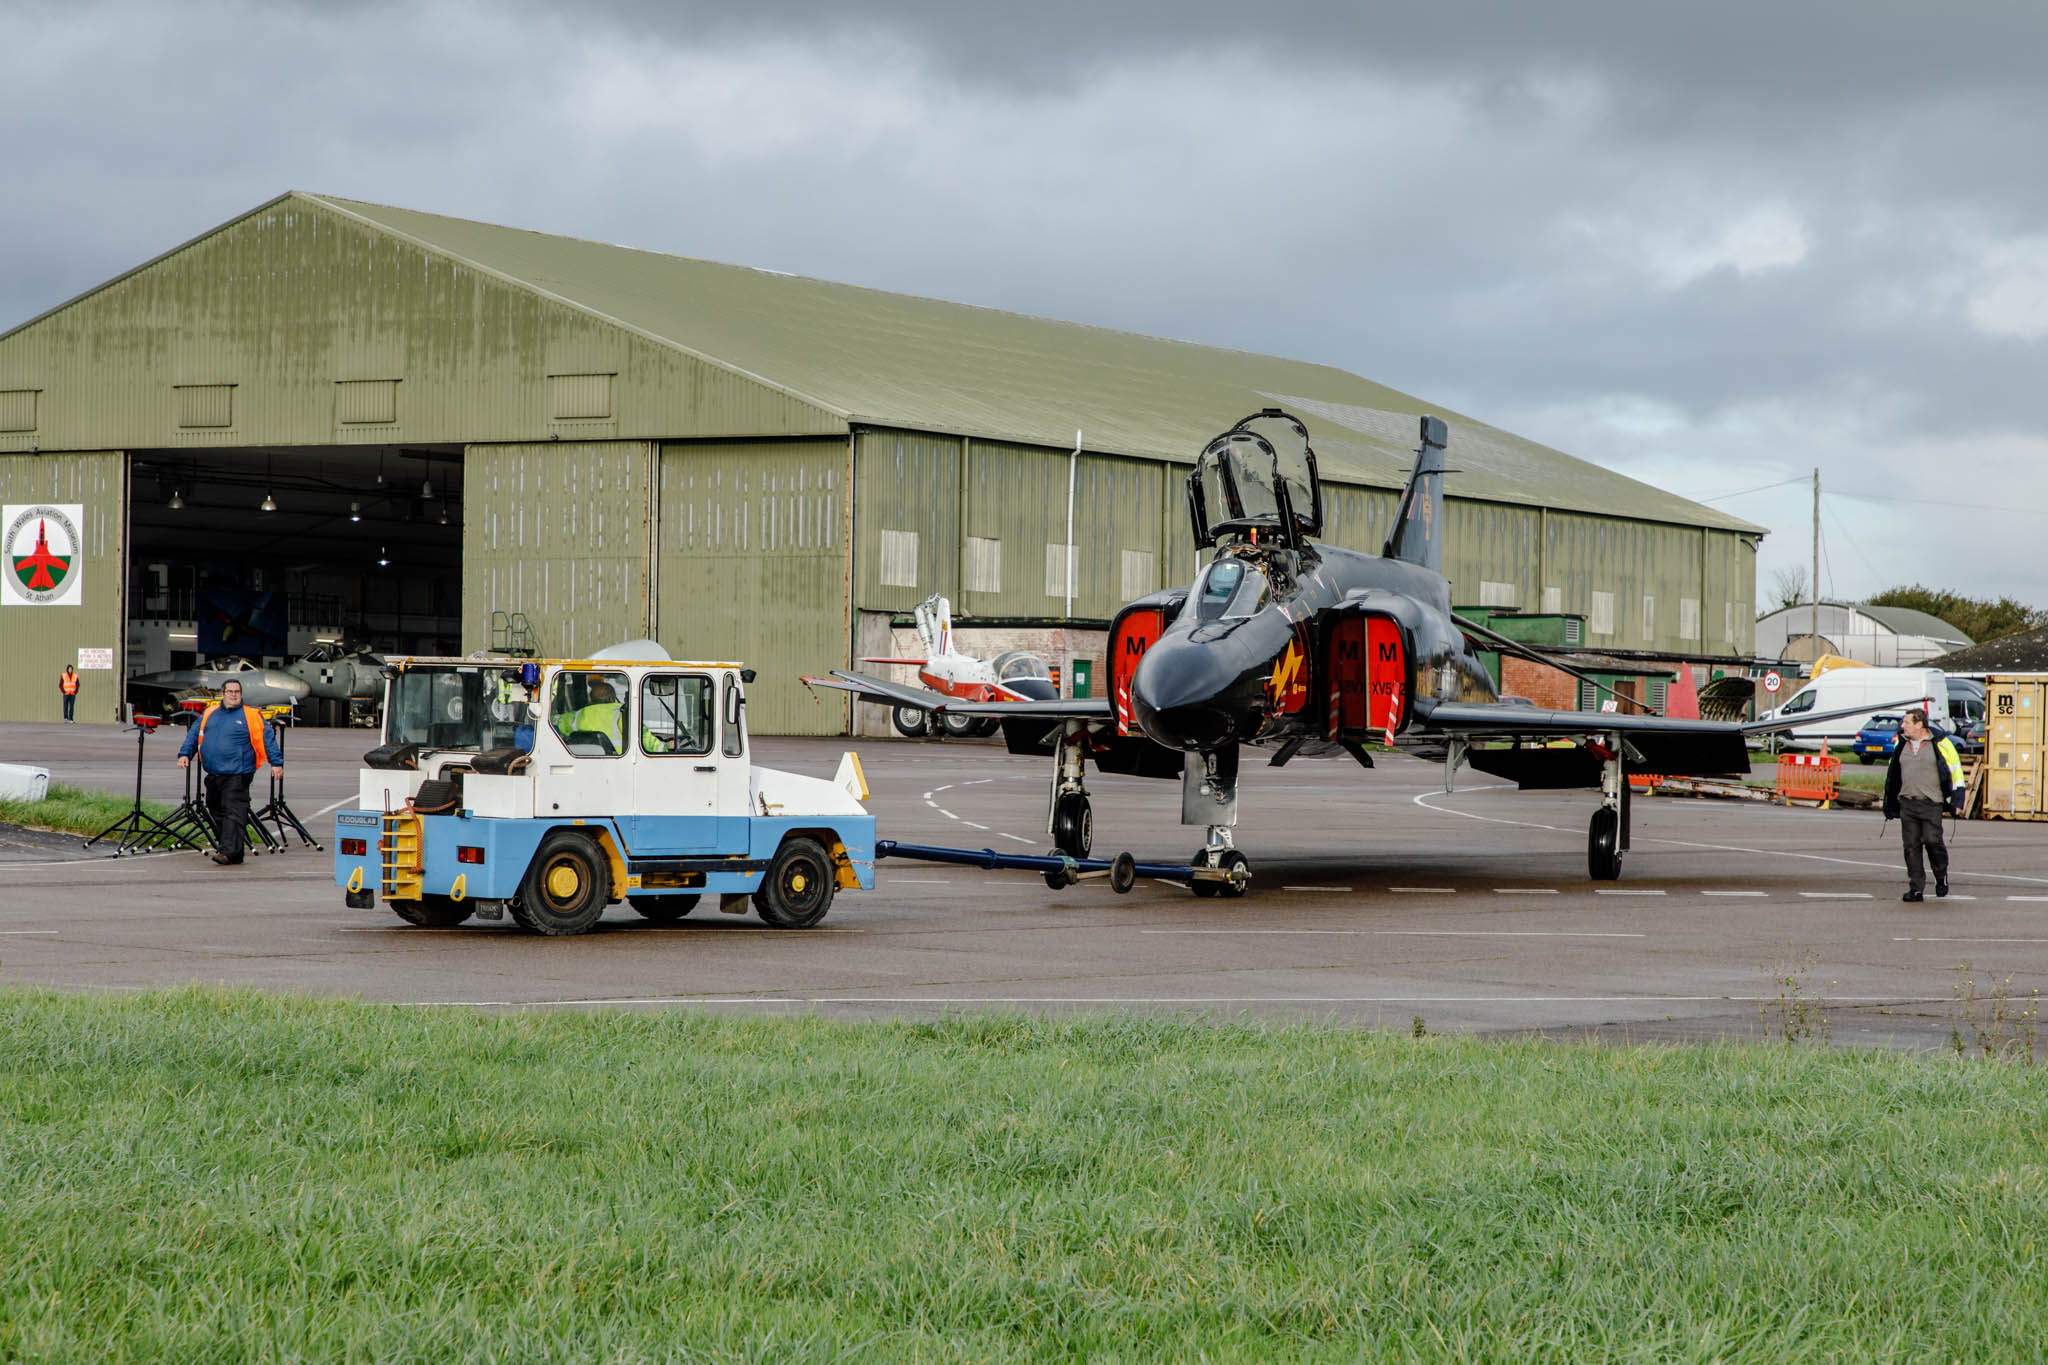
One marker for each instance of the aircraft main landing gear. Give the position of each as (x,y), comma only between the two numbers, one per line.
(1607,835)
(1069,819)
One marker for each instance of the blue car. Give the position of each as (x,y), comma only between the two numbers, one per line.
(1877,739)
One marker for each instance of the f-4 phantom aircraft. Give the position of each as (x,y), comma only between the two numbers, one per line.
(1305,648)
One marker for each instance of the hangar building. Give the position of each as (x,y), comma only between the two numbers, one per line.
(464,429)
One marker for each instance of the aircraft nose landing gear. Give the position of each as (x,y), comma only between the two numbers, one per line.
(1071,820)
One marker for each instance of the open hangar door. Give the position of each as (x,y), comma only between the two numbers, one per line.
(295,560)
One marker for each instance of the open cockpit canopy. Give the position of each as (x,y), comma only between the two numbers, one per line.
(1256,479)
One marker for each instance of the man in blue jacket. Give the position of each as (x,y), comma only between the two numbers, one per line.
(229,742)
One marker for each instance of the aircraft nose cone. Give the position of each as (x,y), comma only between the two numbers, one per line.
(1178,696)
(285,683)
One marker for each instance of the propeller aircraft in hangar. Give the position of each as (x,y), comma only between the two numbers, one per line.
(1300,647)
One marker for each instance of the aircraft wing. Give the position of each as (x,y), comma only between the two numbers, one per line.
(1671,748)
(870,688)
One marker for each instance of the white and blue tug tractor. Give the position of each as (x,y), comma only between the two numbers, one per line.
(551,789)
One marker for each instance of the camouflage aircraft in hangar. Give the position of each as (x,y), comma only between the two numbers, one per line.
(1304,648)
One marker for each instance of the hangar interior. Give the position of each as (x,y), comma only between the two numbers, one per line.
(262,554)
(739,463)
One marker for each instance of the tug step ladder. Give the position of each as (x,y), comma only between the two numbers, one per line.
(400,855)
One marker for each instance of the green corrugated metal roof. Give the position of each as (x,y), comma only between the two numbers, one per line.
(897,360)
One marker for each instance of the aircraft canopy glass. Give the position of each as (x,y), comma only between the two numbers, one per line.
(1230,588)
(1239,476)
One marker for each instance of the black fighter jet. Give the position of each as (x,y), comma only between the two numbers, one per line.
(1305,648)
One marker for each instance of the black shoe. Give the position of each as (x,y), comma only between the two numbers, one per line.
(1941,890)
(1912,896)
(224,860)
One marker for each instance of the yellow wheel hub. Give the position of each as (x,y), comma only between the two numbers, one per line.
(563,881)
(797,882)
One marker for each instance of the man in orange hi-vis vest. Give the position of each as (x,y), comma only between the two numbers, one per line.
(67,683)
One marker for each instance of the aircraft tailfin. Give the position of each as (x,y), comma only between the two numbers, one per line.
(934,618)
(1418,534)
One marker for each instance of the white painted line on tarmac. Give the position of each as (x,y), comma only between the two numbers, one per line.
(949,815)
(1902,939)
(1626,893)
(1525,891)
(1735,893)
(1836,895)
(976,782)
(329,810)
(2027,898)
(1315,888)
(971,825)
(1124,1000)
(28,933)
(1018,838)
(1423,801)
(1424,890)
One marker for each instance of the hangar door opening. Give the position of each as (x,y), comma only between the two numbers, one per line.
(298,567)
(753,567)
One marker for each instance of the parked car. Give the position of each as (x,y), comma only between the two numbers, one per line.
(1877,739)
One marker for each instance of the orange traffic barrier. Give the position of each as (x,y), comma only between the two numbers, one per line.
(1808,777)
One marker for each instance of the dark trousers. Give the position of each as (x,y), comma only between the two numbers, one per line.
(1920,827)
(227,801)
(70,700)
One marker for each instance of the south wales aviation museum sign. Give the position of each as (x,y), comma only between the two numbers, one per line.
(42,560)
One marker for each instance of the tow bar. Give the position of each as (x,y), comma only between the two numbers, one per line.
(1060,871)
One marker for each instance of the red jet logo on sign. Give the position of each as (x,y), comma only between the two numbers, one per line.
(41,544)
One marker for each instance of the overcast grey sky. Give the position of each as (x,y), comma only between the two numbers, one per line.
(1712,246)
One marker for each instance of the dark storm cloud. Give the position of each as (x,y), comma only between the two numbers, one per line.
(1710,245)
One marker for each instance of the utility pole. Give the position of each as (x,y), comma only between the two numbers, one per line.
(1816,563)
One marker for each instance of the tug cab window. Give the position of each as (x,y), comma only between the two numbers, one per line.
(588,713)
(1229,589)
(675,715)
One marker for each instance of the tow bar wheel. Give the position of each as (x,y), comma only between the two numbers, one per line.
(566,886)
(798,889)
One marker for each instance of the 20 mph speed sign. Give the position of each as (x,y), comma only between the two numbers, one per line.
(1772,682)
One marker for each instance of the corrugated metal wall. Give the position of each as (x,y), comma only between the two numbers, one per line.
(754,568)
(559,531)
(37,642)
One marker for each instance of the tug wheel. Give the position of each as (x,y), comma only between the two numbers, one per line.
(433,912)
(566,886)
(663,909)
(797,890)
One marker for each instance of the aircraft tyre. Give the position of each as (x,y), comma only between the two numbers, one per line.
(959,727)
(1073,825)
(565,889)
(910,722)
(988,726)
(797,890)
(663,909)
(1228,859)
(432,912)
(1603,846)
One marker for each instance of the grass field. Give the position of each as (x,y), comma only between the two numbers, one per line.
(207,1176)
(75,810)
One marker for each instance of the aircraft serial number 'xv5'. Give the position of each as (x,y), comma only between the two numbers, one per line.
(1307,648)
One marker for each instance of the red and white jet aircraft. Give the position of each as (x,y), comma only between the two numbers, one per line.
(1017,675)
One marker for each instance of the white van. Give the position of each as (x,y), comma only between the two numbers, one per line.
(1875,689)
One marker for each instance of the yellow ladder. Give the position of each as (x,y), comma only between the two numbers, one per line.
(401,852)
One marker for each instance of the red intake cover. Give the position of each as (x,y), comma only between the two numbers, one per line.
(1132,635)
(1368,676)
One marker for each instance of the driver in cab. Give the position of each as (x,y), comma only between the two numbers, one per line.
(601,714)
